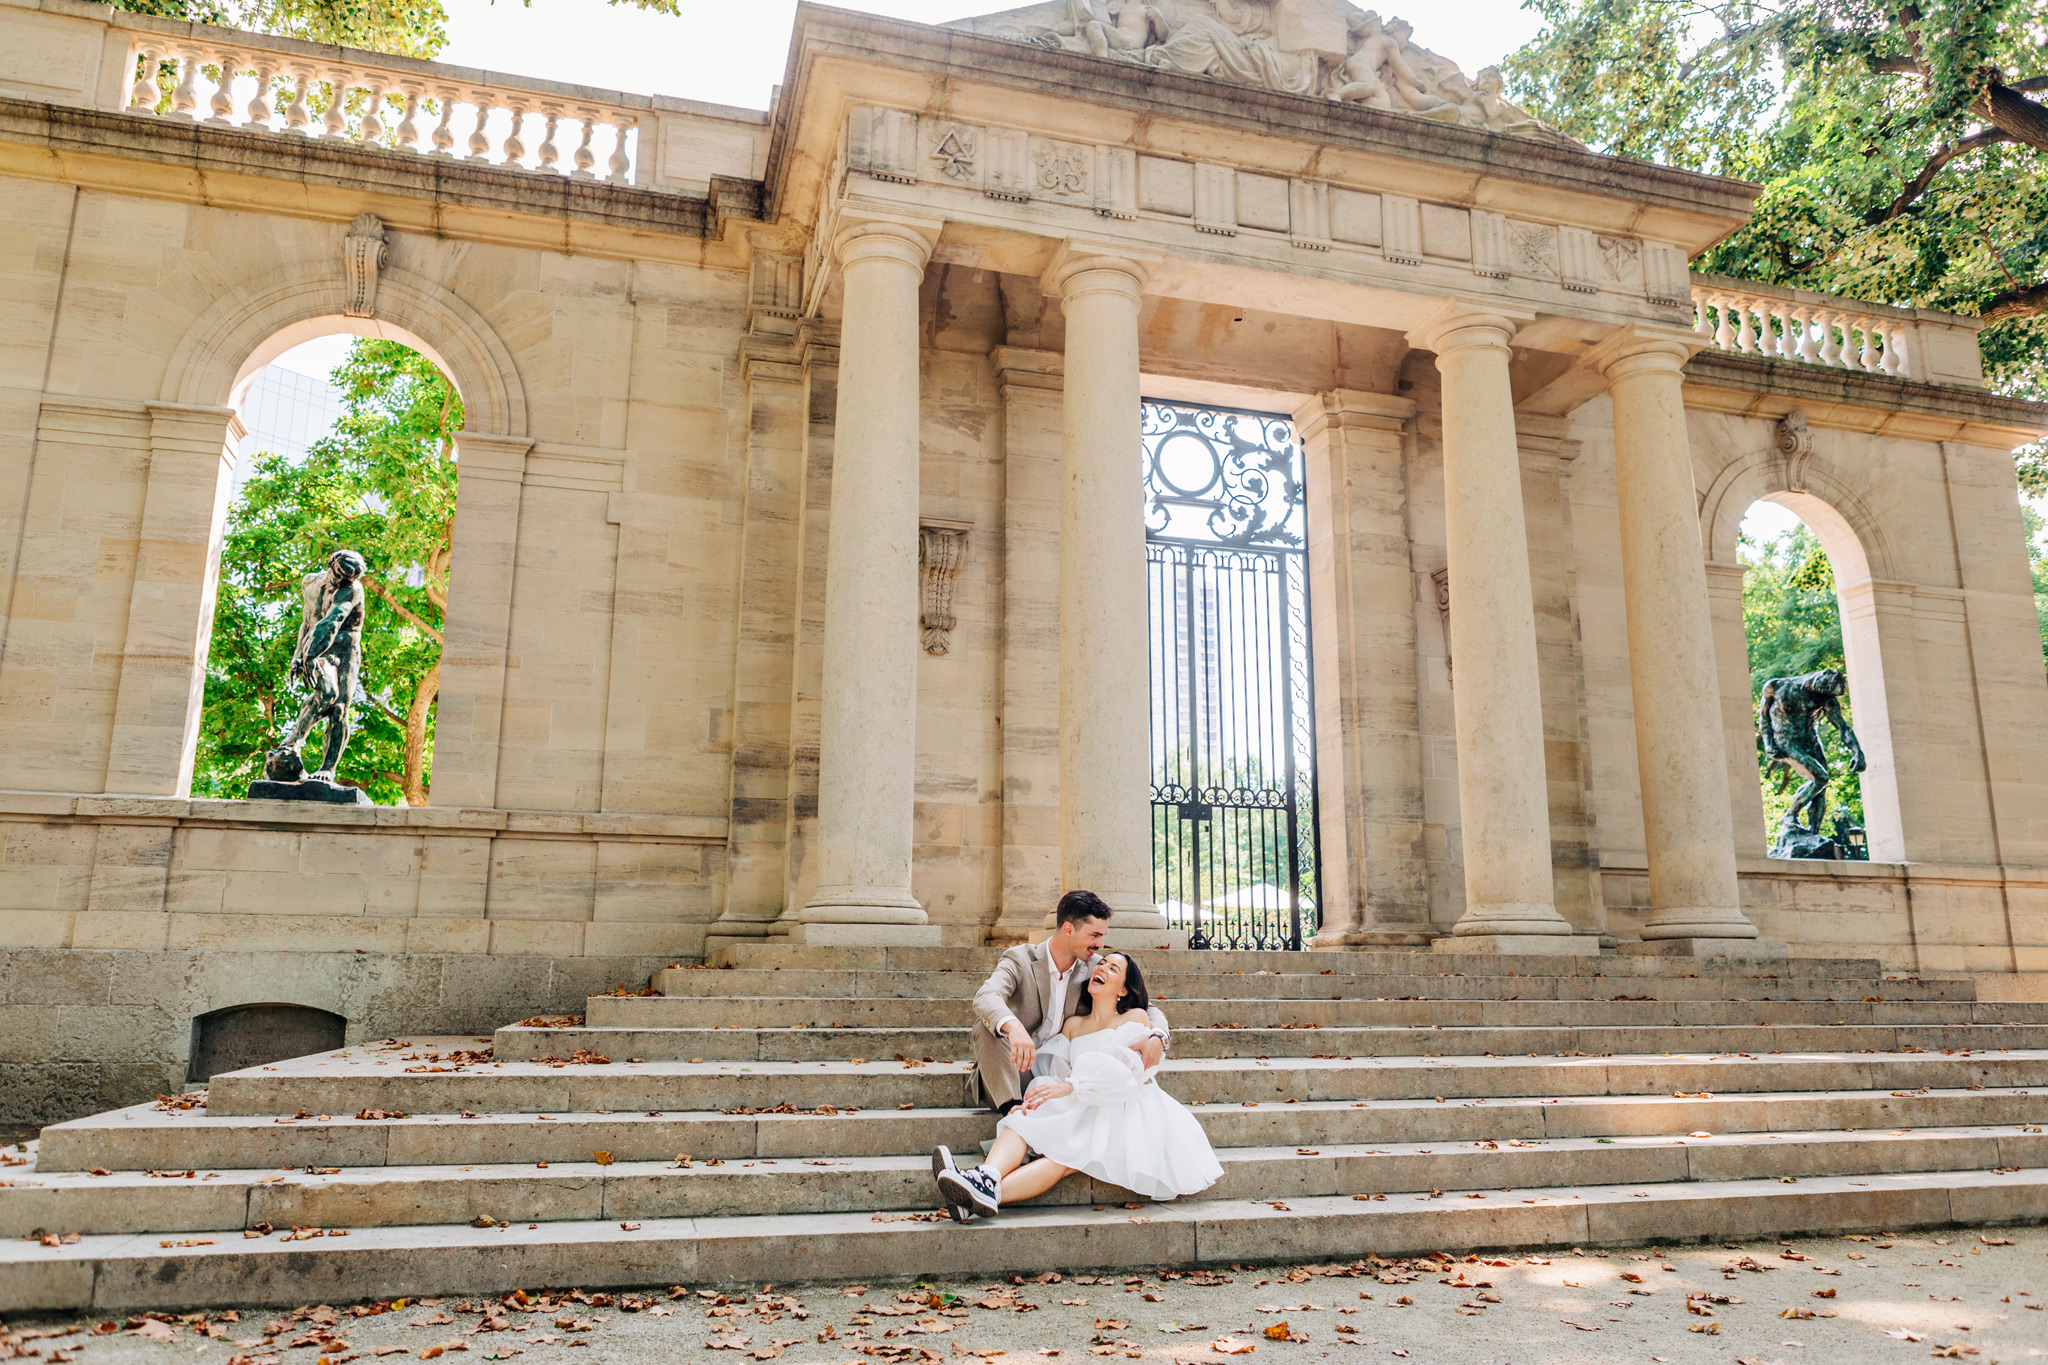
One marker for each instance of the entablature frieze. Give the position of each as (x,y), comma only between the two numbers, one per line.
(983,178)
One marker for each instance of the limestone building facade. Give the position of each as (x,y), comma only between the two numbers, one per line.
(727,371)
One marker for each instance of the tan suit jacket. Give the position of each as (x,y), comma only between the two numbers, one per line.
(1017,989)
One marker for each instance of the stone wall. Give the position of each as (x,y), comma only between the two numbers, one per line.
(83,1031)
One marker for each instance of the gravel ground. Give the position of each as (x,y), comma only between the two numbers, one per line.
(1960,1294)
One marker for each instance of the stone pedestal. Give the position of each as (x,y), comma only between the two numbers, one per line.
(1707,947)
(1502,785)
(1680,756)
(1520,945)
(867,738)
(324,793)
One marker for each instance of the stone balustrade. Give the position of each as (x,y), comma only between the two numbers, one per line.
(242,80)
(1813,329)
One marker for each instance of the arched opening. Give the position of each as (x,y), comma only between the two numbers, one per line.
(1809,618)
(350,444)
(243,1036)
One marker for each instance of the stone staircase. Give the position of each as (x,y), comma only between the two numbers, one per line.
(1392,1102)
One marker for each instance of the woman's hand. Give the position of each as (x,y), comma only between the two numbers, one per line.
(1051,1090)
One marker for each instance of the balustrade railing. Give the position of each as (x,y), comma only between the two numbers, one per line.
(1813,329)
(403,107)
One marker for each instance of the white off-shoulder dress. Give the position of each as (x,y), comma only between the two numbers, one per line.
(1117,1125)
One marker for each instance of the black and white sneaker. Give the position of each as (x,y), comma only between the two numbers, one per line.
(984,1189)
(953,1191)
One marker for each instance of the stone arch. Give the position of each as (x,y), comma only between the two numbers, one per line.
(234,1037)
(1864,566)
(243,332)
(1849,531)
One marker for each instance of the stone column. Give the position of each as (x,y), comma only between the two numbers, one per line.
(1503,800)
(490,474)
(1368,735)
(170,603)
(1105,670)
(1680,757)
(867,741)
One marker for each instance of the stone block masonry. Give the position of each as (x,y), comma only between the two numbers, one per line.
(84,1031)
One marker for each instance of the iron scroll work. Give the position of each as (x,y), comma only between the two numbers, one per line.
(1235,853)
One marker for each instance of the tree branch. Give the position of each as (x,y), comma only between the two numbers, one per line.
(401,608)
(2017,303)
(2003,107)
(2029,85)
(1919,183)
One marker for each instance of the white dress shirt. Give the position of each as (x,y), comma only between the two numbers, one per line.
(1055,1017)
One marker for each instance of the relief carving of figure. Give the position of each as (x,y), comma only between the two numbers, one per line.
(1239,41)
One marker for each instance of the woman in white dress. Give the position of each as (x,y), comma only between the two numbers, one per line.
(1100,1112)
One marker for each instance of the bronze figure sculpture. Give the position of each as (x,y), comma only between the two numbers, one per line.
(1789,718)
(329,660)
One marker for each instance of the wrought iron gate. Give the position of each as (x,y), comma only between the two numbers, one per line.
(1234,838)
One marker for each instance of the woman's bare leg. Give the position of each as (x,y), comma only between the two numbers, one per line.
(1007,1155)
(1028,1182)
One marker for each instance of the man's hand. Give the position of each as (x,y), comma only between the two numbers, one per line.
(1022,1051)
(1151,1050)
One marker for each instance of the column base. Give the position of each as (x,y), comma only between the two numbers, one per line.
(1707,947)
(863,918)
(1699,923)
(1520,945)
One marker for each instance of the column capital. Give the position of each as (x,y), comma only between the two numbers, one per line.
(1457,325)
(1639,350)
(1084,266)
(1352,410)
(1019,367)
(500,457)
(904,238)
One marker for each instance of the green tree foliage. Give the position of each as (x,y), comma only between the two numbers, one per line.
(1794,626)
(1903,148)
(406,28)
(2037,552)
(383,483)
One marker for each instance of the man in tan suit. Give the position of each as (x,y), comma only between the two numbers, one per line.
(1034,990)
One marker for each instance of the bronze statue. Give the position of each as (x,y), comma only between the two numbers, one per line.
(329,660)
(1790,721)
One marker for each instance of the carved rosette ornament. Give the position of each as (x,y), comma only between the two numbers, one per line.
(941,549)
(363,253)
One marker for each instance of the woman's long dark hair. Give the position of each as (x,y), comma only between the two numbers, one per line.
(1135,996)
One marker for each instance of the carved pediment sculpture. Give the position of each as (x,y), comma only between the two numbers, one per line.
(1319,48)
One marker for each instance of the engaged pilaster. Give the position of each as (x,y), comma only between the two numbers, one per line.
(1502,790)
(1680,756)
(1105,720)
(868,715)
(1368,737)
(170,606)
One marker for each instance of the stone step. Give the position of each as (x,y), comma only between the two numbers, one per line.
(146,1138)
(605,1011)
(124,1271)
(521,1043)
(982,960)
(390,1196)
(356,1079)
(1325,985)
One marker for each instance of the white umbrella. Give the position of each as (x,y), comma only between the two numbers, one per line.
(1264,896)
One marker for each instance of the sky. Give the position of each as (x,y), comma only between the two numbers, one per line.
(733,51)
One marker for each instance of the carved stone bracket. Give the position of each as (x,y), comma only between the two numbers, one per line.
(1795,443)
(941,550)
(363,253)
(1442,579)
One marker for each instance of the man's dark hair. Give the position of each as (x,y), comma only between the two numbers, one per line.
(1135,993)
(1076,906)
